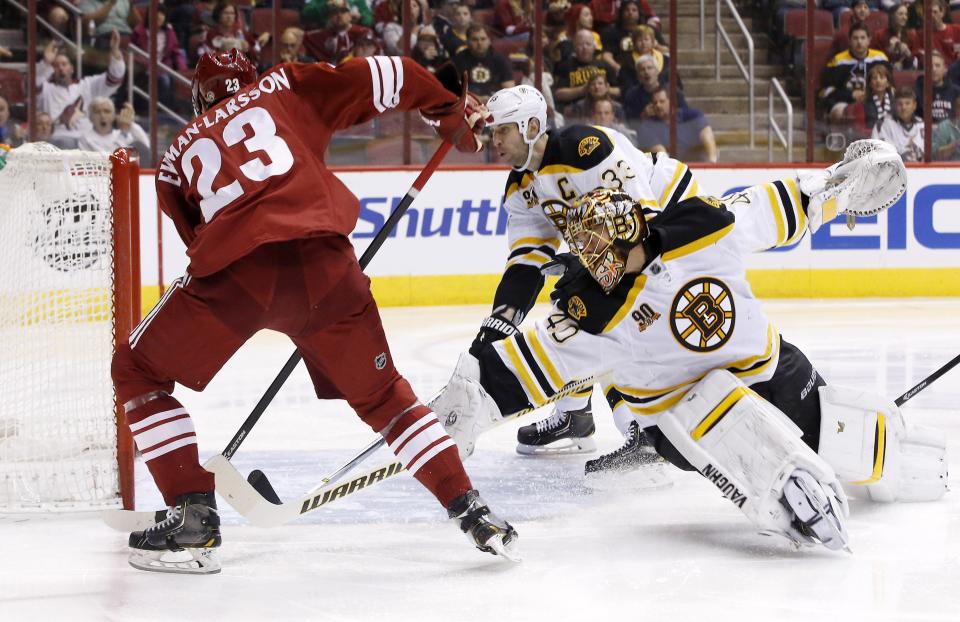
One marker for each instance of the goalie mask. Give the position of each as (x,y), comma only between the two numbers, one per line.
(602,226)
(218,76)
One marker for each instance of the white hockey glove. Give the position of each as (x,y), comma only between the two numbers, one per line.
(464,407)
(870,179)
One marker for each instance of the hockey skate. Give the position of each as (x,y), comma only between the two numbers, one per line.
(635,465)
(485,529)
(817,510)
(184,542)
(563,432)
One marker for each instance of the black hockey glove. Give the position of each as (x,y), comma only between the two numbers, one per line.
(581,298)
(493,328)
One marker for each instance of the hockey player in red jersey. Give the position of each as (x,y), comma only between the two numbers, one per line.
(266,225)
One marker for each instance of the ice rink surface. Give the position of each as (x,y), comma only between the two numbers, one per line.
(388,553)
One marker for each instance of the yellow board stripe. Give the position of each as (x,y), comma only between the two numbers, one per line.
(668,191)
(532,389)
(878,451)
(558,168)
(544,360)
(717,413)
(777,213)
(628,303)
(697,245)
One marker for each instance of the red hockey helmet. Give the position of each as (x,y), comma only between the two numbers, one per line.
(219,75)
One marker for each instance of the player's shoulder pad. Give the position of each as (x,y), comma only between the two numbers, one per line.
(691,225)
(516,180)
(576,147)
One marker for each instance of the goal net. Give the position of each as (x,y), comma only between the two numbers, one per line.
(67,280)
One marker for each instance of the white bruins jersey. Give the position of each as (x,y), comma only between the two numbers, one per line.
(576,160)
(690,311)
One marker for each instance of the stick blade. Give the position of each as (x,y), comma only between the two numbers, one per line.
(258,479)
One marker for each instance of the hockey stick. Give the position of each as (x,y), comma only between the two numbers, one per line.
(128,520)
(250,503)
(262,512)
(923,384)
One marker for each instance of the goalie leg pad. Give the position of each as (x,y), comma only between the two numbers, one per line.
(464,407)
(865,439)
(751,451)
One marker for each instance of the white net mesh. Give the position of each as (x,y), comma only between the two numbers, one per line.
(57,423)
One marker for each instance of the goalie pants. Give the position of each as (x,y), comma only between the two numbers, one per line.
(792,389)
(311,290)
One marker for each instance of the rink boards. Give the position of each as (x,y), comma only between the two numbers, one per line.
(451,246)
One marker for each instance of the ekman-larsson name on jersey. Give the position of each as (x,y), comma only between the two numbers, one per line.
(274,82)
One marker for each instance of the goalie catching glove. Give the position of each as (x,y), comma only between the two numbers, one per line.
(461,122)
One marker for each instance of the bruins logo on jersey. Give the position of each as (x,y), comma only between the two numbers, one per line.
(587,146)
(576,308)
(702,316)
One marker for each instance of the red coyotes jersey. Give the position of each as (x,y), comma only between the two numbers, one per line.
(250,170)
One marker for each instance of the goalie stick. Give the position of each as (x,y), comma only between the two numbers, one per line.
(130,520)
(264,512)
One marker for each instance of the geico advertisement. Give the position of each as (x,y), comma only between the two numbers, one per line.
(457,226)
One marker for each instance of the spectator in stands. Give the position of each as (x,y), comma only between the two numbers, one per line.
(838,7)
(104,136)
(11,133)
(428,52)
(514,18)
(578,17)
(860,10)
(335,42)
(487,70)
(607,12)
(171,54)
(845,77)
(228,34)
(597,88)
(616,38)
(109,16)
(903,129)
(946,136)
(291,47)
(44,128)
(64,98)
(573,75)
(316,13)
(387,22)
(56,14)
(637,100)
(365,46)
(443,15)
(946,37)
(644,42)
(190,20)
(454,39)
(944,92)
(695,141)
(604,113)
(879,99)
(894,39)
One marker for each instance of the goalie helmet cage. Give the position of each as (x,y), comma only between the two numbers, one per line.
(69,292)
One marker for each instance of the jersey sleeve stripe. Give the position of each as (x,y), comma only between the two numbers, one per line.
(777,214)
(544,360)
(788,209)
(697,245)
(553,242)
(669,191)
(628,303)
(528,259)
(376,78)
(398,80)
(533,392)
(544,251)
(797,204)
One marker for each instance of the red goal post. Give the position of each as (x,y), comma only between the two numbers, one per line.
(69,292)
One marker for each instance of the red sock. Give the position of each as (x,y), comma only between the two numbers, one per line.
(423,446)
(164,434)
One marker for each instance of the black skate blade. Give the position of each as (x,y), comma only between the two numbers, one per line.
(258,479)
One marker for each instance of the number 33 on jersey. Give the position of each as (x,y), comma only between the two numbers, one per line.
(250,170)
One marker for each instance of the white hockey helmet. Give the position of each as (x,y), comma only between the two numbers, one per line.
(519,104)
